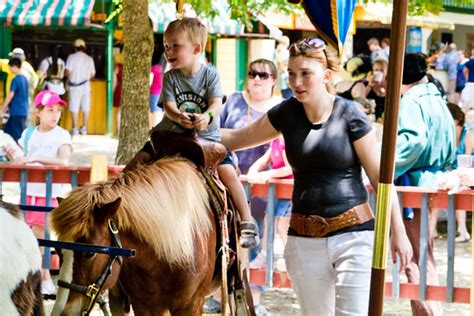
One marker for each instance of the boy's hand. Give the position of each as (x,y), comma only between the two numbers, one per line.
(202,121)
(184,119)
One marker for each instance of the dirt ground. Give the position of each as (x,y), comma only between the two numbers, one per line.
(283,301)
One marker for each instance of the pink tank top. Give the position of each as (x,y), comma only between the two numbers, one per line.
(278,147)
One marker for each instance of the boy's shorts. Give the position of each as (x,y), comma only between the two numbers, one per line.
(283,208)
(228,160)
(38,218)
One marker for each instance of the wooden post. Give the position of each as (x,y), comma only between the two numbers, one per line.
(99,168)
(387,163)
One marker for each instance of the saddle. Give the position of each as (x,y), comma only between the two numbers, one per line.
(204,153)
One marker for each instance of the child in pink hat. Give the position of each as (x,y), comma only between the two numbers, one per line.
(44,144)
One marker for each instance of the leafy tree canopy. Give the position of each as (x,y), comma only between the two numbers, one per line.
(244,10)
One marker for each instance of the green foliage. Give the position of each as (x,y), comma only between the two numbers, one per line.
(118,9)
(422,7)
(245,10)
(241,10)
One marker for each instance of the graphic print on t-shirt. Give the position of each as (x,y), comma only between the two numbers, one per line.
(191,102)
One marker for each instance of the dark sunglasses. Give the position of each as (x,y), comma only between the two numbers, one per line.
(262,75)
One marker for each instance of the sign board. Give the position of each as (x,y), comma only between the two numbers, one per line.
(414,40)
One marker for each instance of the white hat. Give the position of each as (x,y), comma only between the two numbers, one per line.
(79,43)
(17,52)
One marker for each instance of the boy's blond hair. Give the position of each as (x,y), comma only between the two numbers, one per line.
(196,31)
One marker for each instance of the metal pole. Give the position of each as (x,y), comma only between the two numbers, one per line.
(382,220)
(110,71)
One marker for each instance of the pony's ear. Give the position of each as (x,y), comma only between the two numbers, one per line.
(108,210)
(60,199)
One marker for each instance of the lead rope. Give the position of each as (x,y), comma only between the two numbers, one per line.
(220,204)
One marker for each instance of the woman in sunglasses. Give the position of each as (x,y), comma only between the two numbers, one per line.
(328,140)
(242,109)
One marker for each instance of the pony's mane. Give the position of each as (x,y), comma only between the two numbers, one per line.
(164,204)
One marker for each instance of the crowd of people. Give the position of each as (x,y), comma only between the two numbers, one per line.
(297,117)
(54,74)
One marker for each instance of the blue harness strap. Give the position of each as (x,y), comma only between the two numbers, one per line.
(404,181)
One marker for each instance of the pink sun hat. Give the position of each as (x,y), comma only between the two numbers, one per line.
(48,98)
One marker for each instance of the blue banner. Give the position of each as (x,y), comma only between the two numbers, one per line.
(331,18)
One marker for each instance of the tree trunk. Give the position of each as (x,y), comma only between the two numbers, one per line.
(138,49)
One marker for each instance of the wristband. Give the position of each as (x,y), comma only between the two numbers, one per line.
(211,117)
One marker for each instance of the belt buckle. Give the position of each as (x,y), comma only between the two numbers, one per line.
(318,225)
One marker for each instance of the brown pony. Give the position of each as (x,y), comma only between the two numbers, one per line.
(161,210)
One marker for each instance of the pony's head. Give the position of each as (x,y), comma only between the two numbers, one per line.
(86,270)
(147,204)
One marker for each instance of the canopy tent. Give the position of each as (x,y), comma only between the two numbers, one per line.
(45,12)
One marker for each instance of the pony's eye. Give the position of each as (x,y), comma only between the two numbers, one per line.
(88,255)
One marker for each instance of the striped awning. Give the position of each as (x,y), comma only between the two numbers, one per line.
(161,14)
(45,12)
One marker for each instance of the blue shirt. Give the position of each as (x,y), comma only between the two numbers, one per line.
(19,104)
(470,66)
(426,137)
(451,61)
(236,113)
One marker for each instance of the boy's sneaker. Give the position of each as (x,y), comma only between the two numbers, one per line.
(260,261)
(74,131)
(48,289)
(211,306)
(83,131)
(248,231)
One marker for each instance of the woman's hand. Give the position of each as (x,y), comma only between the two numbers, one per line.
(400,245)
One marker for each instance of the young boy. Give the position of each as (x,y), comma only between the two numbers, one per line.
(16,101)
(192,98)
(44,144)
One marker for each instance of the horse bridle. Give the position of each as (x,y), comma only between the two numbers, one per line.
(93,290)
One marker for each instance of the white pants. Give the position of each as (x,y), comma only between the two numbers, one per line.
(331,276)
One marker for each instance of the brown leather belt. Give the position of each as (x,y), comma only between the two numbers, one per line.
(317,226)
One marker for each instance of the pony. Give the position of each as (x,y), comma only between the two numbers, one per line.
(162,211)
(20,265)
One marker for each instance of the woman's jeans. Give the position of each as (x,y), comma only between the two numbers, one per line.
(331,276)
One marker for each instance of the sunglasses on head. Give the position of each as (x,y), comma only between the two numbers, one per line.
(310,44)
(262,75)
(315,43)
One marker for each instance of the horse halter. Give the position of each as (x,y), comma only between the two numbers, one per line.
(93,290)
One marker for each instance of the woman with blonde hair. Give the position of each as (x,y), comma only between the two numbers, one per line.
(328,140)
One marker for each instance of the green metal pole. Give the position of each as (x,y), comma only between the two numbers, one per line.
(110,71)
(242,58)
